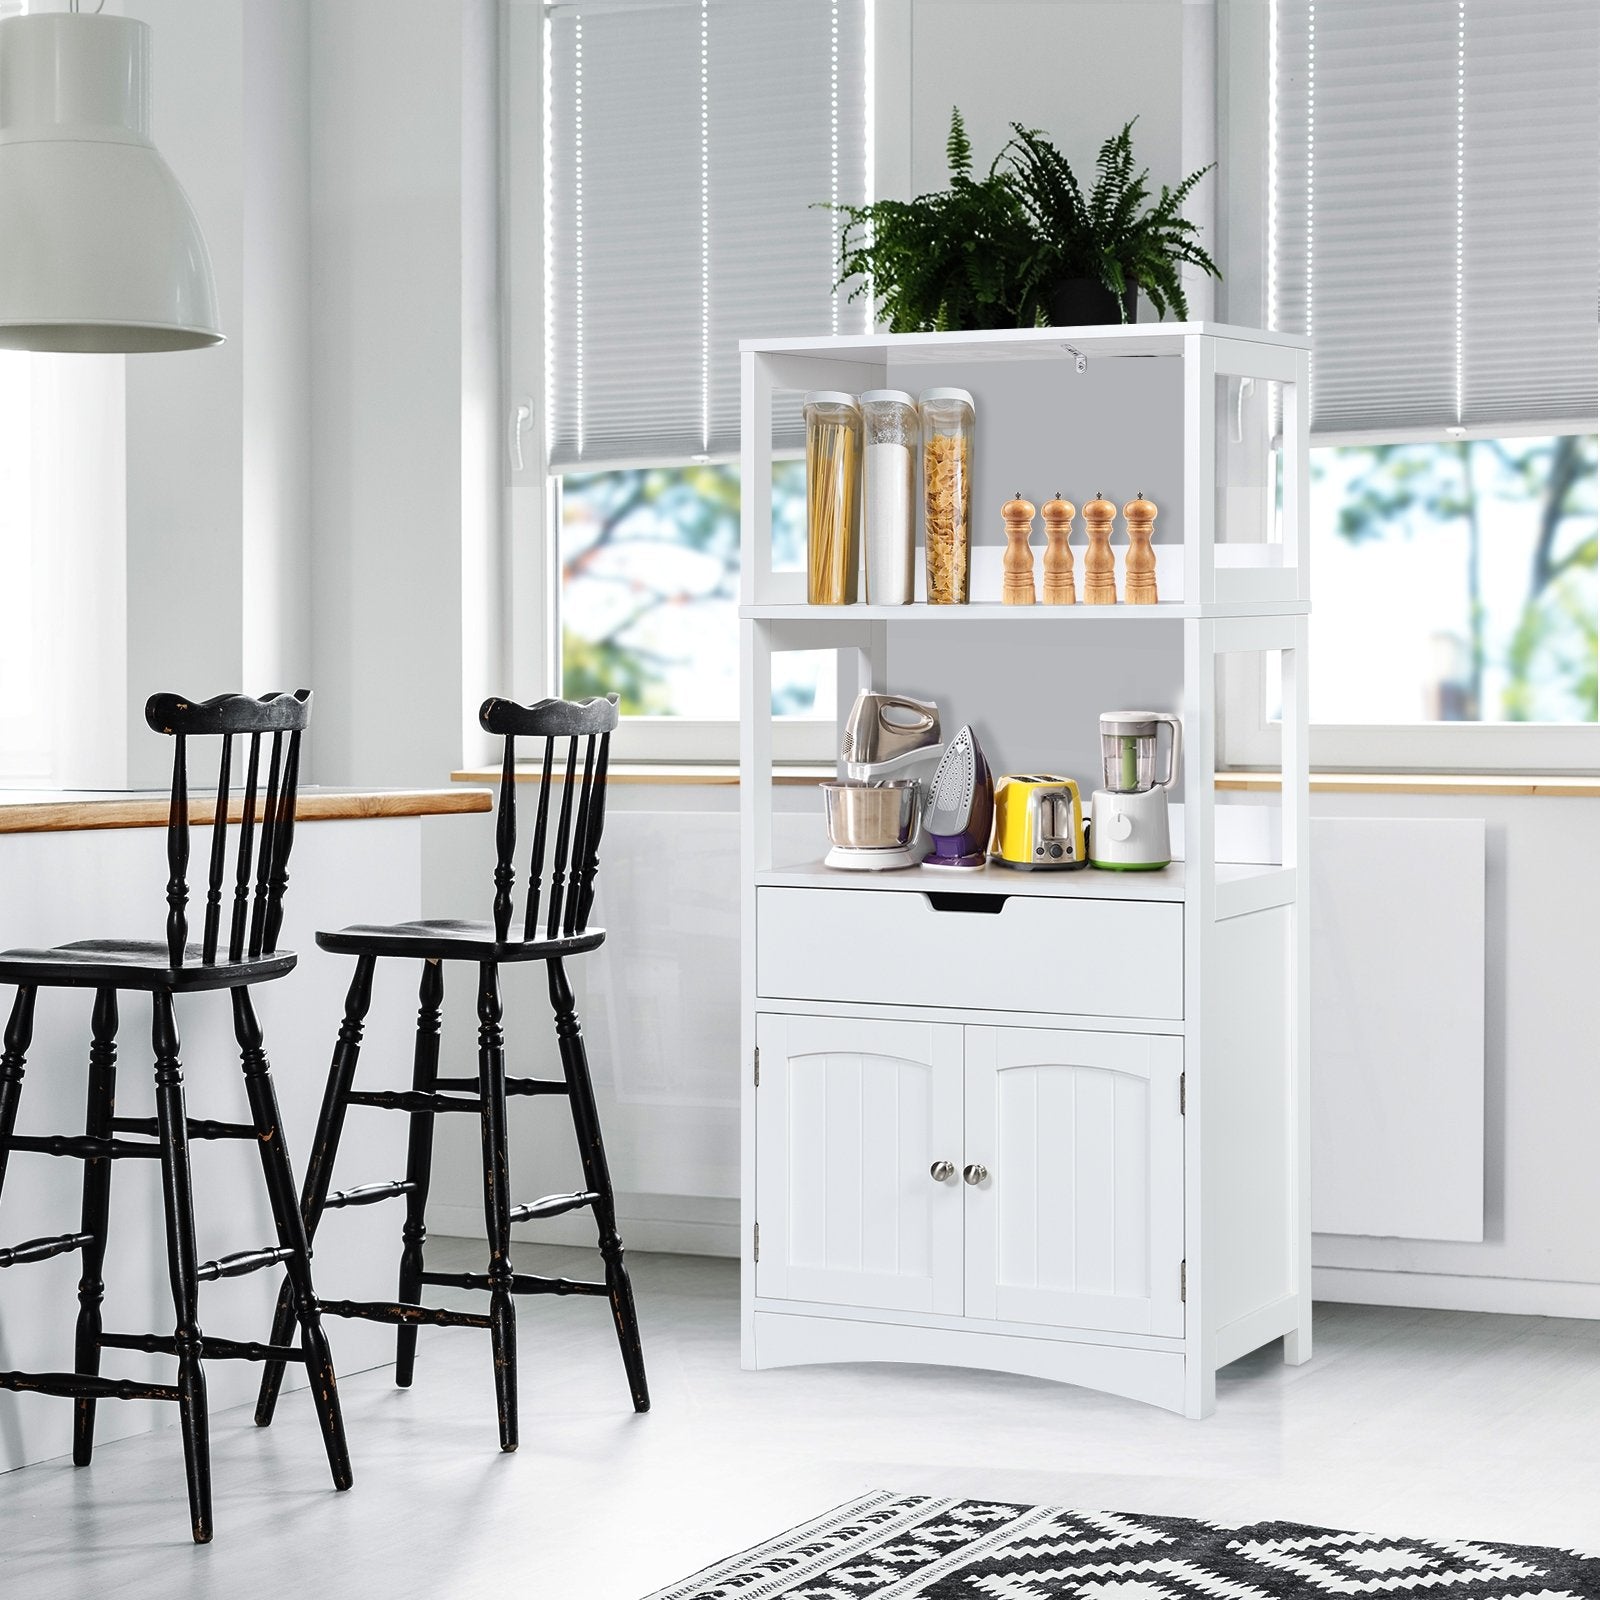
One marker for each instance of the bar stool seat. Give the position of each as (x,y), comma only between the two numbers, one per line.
(136,964)
(238,949)
(548,931)
(448,939)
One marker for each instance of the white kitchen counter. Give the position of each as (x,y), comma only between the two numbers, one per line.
(76,866)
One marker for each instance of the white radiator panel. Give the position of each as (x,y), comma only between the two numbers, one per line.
(1397,1050)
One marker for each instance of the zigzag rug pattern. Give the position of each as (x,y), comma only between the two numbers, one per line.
(918,1547)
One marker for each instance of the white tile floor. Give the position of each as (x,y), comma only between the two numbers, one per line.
(1407,1421)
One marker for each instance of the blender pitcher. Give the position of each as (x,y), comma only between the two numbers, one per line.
(1129,831)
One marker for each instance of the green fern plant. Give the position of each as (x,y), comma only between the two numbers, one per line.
(988,251)
(1112,236)
(954,259)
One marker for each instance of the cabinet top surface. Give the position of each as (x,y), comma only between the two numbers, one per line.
(1013,344)
(1087,884)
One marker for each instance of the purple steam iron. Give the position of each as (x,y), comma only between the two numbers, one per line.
(960,812)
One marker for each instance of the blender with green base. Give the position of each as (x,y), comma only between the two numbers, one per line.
(1128,831)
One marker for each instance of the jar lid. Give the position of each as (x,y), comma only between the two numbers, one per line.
(831,397)
(886,396)
(934,395)
(1140,724)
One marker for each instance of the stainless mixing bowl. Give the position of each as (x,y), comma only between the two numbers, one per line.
(871,816)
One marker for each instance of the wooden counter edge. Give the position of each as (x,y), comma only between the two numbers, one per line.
(150,811)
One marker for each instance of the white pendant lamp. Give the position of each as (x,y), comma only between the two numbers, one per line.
(99,247)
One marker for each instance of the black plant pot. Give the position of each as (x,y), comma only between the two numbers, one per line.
(1082,302)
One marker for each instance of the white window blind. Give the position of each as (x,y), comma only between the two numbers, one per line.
(1435,212)
(690,143)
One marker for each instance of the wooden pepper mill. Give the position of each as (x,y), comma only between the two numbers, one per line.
(1139,575)
(1099,565)
(1059,589)
(1017,585)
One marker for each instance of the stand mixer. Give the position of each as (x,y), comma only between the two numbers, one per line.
(1129,831)
(875,817)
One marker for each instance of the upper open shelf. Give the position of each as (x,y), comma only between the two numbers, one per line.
(1215,436)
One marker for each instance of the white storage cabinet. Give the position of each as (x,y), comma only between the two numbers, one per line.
(1053,1124)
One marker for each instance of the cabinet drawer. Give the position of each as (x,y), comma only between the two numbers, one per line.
(1106,958)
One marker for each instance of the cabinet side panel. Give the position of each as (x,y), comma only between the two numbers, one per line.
(1248,1060)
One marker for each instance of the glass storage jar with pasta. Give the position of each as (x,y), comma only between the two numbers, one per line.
(833,480)
(947,417)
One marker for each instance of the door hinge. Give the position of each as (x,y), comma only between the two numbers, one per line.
(1183,1094)
(1183,1282)
(757,1241)
(758,1066)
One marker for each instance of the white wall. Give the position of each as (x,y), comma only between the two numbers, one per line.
(404,384)
(218,440)
(317,500)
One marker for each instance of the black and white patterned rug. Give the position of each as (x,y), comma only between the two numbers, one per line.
(916,1547)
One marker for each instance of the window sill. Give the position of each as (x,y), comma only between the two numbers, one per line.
(658,772)
(725,773)
(1546,785)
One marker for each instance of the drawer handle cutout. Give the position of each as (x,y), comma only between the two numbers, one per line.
(975,905)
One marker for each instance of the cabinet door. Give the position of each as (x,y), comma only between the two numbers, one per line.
(850,1116)
(1079,1223)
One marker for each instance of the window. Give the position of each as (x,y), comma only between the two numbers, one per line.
(649,585)
(1455,581)
(1433,224)
(692,150)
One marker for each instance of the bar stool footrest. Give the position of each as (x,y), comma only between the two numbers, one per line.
(158,1344)
(43,1249)
(520,1283)
(85,1386)
(242,1262)
(410,1100)
(79,1147)
(406,1316)
(513,1085)
(552,1205)
(368,1194)
(198,1128)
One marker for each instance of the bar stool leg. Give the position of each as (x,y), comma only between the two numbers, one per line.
(319,1170)
(419,1163)
(291,1232)
(597,1177)
(497,1200)
(177,1196)
(96,1212)
(19,1035)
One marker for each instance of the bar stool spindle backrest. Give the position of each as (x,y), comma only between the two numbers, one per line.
(261,873)
(579,823)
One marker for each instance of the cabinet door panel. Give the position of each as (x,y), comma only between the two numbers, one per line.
(1080,1221)
(850,1115)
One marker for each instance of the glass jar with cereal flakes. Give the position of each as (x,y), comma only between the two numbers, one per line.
(833,486)
(947,416)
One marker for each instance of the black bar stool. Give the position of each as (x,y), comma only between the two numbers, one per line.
(163,970)
(565,933)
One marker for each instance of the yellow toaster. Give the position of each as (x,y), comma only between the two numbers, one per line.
(1038,823)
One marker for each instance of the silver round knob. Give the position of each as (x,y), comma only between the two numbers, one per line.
(942,1171)
(976,1174)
